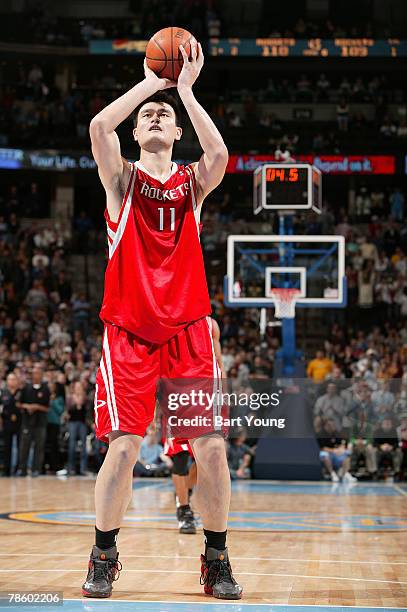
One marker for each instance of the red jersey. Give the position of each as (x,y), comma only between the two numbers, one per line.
(155,281)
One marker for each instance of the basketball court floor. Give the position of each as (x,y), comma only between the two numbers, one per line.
(294,546)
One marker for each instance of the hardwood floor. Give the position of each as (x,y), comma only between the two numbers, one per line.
(290,543)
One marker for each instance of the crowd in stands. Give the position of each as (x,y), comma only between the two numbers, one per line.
(360,410)
(34,109)
(205,18)
(327,28)
(42,26)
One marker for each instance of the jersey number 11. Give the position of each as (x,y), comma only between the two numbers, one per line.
(172,224)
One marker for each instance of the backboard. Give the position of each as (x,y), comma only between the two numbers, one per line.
(312,265)
(287,187)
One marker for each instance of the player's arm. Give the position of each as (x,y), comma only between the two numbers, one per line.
(217,346)
(113,169)
(210,169)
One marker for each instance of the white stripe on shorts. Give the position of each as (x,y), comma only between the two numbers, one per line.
(110,376)
(216,386)
(109,403)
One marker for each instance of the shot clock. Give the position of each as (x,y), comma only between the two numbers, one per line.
(287,187)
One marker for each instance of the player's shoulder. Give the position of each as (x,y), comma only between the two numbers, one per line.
(186,168)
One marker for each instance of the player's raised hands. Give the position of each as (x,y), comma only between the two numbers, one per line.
(192,67)
(159,83)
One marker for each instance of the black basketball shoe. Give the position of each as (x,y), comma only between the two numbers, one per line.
(103,569)
(216,575)
(186,520)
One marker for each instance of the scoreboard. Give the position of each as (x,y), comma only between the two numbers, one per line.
(312,47)
(270,47)
(288,186)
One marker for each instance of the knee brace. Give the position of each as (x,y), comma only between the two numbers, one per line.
(180,463)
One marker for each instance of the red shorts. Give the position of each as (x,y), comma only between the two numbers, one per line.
(173,446)
(130,368)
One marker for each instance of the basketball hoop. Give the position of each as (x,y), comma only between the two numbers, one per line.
(284,301)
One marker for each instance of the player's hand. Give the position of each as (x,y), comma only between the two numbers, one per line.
(158,83)
(191,68)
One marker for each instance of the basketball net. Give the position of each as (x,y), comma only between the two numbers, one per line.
(284,301)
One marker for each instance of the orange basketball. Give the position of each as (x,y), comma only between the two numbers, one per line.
(163,54)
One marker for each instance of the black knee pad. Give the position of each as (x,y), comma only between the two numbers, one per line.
(180,463)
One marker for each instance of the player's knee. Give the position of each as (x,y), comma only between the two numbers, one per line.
(180,464)
(125,451)
(210,453)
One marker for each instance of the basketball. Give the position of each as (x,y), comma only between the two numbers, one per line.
(163,54)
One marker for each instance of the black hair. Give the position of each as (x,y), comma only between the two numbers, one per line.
(161,97)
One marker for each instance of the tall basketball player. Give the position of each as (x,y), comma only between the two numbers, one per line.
(155,309)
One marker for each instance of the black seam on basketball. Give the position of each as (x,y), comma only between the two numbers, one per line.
(164,54)
(172,55)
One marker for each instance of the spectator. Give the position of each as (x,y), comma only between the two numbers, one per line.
(239,457)
(11,421)
(402,301)
(383,396)
(366,280)
(63,287)
(344,228)
(152,461)
(319,368)
(13,201)
(358,90)
(304,88)
(363,203)
(344,87)
(33,202)
(35,75)
(331,406)
(56,409)
(81,314)
(334,454)
(234,119)
(39,257)
(342,115)
(34,402)
(37,296)
(259,368)
(77,408)
(322,86)
(83,225)
(388,128)
(386,442)
(363,458)
(397,204)
(402,129)
(368,249)
(318,142)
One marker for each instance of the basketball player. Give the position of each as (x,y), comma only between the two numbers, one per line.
(183,479)
(155,309)
(183,476)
